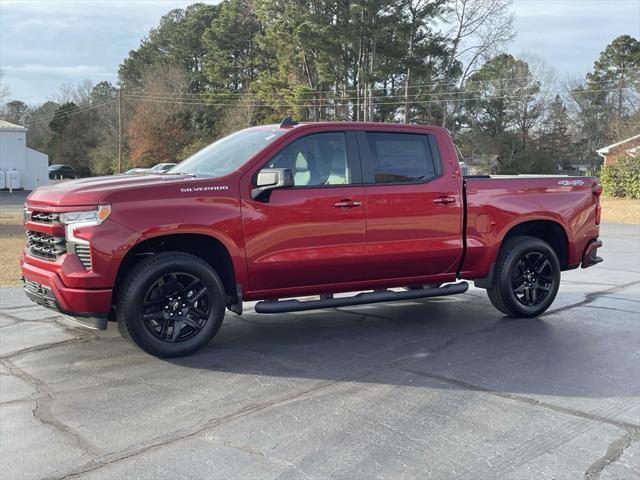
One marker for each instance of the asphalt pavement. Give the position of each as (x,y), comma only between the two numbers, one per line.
(11,202)
(433,389)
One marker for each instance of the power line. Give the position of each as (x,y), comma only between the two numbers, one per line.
(342,91)
(181,97)
(178,98)
(74,111)
(340,101)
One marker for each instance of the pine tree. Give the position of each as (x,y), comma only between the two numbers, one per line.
(616,73)
(556,140)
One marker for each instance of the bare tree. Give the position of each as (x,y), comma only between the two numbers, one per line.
(590,116)
(242,115)
(478,29)
(532,83)
(4,89)
(156,129)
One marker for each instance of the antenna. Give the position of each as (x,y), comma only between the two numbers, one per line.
(287,122)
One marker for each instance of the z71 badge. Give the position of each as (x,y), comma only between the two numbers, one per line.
(204,189)
(567,183)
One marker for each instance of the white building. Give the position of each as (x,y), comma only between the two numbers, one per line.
(14,154)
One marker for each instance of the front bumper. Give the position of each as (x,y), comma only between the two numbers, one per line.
(590,256)
(88,307)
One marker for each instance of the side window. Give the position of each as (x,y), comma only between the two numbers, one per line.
(399,158)
(316,160)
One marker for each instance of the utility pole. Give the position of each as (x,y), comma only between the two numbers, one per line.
(120,130)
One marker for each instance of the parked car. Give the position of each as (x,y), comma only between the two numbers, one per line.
(280,211)
(61,171)
(159,168)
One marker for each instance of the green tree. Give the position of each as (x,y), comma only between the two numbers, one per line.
(176,41)
(504,105)
(103,156)
(556,140)
(40,133)
(616,74)
(301,53)
(16,111)
(604,105)
(425,52)
(62,117)
(70,142)
(103,91)
(232,52)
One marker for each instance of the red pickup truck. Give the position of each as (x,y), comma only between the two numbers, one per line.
(281,211)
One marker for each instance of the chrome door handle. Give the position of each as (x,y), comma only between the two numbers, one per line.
(347,204)
(444,200)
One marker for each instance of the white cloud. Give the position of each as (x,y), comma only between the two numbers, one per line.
(65,70)
(44,44)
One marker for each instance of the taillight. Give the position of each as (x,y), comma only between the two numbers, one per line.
(596,189)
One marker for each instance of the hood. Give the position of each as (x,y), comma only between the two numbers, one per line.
(91,191)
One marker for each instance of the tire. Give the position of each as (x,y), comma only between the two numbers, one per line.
(526,277)
(171,304)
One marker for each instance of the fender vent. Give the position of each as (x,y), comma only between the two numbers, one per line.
(84,254)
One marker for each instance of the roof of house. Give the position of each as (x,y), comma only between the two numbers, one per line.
(7,126)
(608,148)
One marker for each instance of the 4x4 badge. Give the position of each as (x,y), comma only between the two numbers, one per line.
(567,183)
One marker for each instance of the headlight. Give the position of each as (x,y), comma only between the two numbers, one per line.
(86,217)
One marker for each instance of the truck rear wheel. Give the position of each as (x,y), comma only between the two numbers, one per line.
(171,304)
(526,277)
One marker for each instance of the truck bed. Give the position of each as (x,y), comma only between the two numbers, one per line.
(495,204)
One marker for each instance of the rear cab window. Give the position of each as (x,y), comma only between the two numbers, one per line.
(394,157)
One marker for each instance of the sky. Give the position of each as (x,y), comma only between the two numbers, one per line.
(47,44)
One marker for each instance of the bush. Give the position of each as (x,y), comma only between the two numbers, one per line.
(622,179)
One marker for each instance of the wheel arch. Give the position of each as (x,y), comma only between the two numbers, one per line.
(550,231)
(207,247)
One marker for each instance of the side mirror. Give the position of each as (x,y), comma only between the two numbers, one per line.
(270,179)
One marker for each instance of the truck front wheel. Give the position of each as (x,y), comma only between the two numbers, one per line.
(171,304)
(526,277)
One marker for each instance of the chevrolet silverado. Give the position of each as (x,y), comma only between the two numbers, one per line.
(315,209)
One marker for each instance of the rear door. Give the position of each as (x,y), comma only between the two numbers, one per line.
(414,206)
(311,234)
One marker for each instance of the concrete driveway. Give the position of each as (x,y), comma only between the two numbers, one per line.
(441,388)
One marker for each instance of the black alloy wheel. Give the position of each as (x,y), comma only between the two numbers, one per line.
(170,304)
(532,279)
(176,307)
(526,277)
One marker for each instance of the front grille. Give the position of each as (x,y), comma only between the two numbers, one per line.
(45,246)
(44,217)
(84,254)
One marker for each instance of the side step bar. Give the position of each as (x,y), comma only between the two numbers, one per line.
(359,299)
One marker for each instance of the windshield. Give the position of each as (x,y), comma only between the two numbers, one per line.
(228,153)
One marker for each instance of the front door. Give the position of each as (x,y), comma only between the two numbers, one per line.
(313,233)
(414,207)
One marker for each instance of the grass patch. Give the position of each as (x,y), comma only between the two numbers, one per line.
(620,210)
(11,243)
